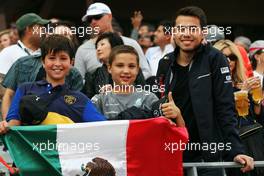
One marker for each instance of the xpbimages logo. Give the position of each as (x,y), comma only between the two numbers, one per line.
(212,147)
(81,147)
(191,29)
(78,31)
(115,88)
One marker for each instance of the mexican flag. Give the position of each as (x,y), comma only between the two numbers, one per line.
(131,148)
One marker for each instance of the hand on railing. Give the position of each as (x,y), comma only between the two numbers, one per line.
(245,160)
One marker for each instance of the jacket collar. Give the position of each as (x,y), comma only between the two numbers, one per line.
(199,50)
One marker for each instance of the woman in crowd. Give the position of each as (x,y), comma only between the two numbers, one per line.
(235,60)
(5,39)
(240,82)
(257,61)
(257,58)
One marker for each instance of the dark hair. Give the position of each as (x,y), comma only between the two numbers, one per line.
(195,12)
(21,33)
(61,23)
(116,26)
(113,38)
(166,24)
(100,167)
(253,59)
(122,49)
(55,43)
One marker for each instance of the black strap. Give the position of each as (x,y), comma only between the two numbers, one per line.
(24,49)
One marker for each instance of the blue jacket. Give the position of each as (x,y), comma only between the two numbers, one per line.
(212,99)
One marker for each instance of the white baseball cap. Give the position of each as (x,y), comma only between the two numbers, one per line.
(96,9)
(255,47)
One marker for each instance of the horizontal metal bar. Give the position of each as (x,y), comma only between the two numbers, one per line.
(220,164)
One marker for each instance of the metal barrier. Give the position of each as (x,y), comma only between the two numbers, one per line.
(192,167)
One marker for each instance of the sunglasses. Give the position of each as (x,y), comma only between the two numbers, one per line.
(95,17)
(232,57)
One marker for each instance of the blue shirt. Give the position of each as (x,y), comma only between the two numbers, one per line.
(73,104)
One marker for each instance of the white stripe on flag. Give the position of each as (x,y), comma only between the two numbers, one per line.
(79,144)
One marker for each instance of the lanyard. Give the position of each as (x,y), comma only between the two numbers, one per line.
(23,49)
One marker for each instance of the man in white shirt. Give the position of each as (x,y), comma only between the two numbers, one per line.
(162,38)
(29,29)
(99,16)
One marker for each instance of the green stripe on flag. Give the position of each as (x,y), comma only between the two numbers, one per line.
(33,149)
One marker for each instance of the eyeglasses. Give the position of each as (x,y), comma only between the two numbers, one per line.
(232,57)
(95,17)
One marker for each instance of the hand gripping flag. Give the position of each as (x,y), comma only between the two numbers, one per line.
(127,148)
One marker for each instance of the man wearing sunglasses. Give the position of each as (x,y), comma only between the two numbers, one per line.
(99,16)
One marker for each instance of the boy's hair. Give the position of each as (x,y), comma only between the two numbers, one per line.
(195,12)
(113,38)
(55,43)
(122,49)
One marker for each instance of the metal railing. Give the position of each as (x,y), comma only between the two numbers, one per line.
(191,168)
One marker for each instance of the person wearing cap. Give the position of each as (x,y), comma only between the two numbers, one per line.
(99,16)
(256,54)
(29,27)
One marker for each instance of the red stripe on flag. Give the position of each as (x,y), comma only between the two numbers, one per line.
(148,147)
